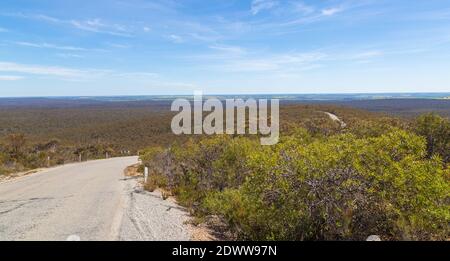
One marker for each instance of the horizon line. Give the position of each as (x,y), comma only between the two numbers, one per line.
(218,94)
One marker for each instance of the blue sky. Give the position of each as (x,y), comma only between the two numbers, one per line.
(139,47)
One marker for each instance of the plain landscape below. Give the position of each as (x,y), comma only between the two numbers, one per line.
(80,128)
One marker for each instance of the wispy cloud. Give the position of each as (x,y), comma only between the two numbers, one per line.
(434,15)
(3,30)
(276,63)
(98,26)
(120,46)
(302,8)
(367,54)
(238,60)
(160,6)
(228,49)
(51,46)
(41,70)
(195,31)
(294,13)
(331,11)
(137,75)
(44,18)
(71,74)
(31,16)
(69,55)
(260,5)
(10,78)
(175,38)
(95,25)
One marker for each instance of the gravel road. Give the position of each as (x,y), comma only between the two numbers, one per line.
(86,201)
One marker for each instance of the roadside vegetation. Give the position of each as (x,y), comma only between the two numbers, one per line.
(18,154)
(41,135)
(380,176)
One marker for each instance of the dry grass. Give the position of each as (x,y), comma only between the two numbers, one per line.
(10,176)
(132,171)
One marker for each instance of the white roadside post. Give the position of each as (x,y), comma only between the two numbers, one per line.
(145,174)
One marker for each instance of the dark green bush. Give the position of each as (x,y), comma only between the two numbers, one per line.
(340,187)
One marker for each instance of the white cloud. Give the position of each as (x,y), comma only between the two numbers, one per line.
(302,8)
(92,25)
(311,15)
(175,38)
(10,78)
(137,75)
(46,18)
(34,17)
(228,49)
(194,31)
(289,62)
(367,54)
(331,11)
(3,30)
(120,46)
(260,5)
(51,46)
(205,37)
(69,55)
(70,74)
(88,25)
(98,26)
(40,70)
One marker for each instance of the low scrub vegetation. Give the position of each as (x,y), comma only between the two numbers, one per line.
(376,177)
(17,153)
(67,130)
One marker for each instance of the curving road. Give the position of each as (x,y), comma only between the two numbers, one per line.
(87,201)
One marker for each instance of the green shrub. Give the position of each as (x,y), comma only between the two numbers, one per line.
(436,131)
(338,187)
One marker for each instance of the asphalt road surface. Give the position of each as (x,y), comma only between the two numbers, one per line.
(86,201)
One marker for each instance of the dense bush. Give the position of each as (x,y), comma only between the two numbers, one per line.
(436,130)
(324,188)
(17,153)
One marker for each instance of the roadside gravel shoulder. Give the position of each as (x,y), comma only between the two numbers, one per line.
(148,217)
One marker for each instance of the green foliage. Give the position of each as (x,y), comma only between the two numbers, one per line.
(17,153)
(436,130)
(324,188)
(151,158)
